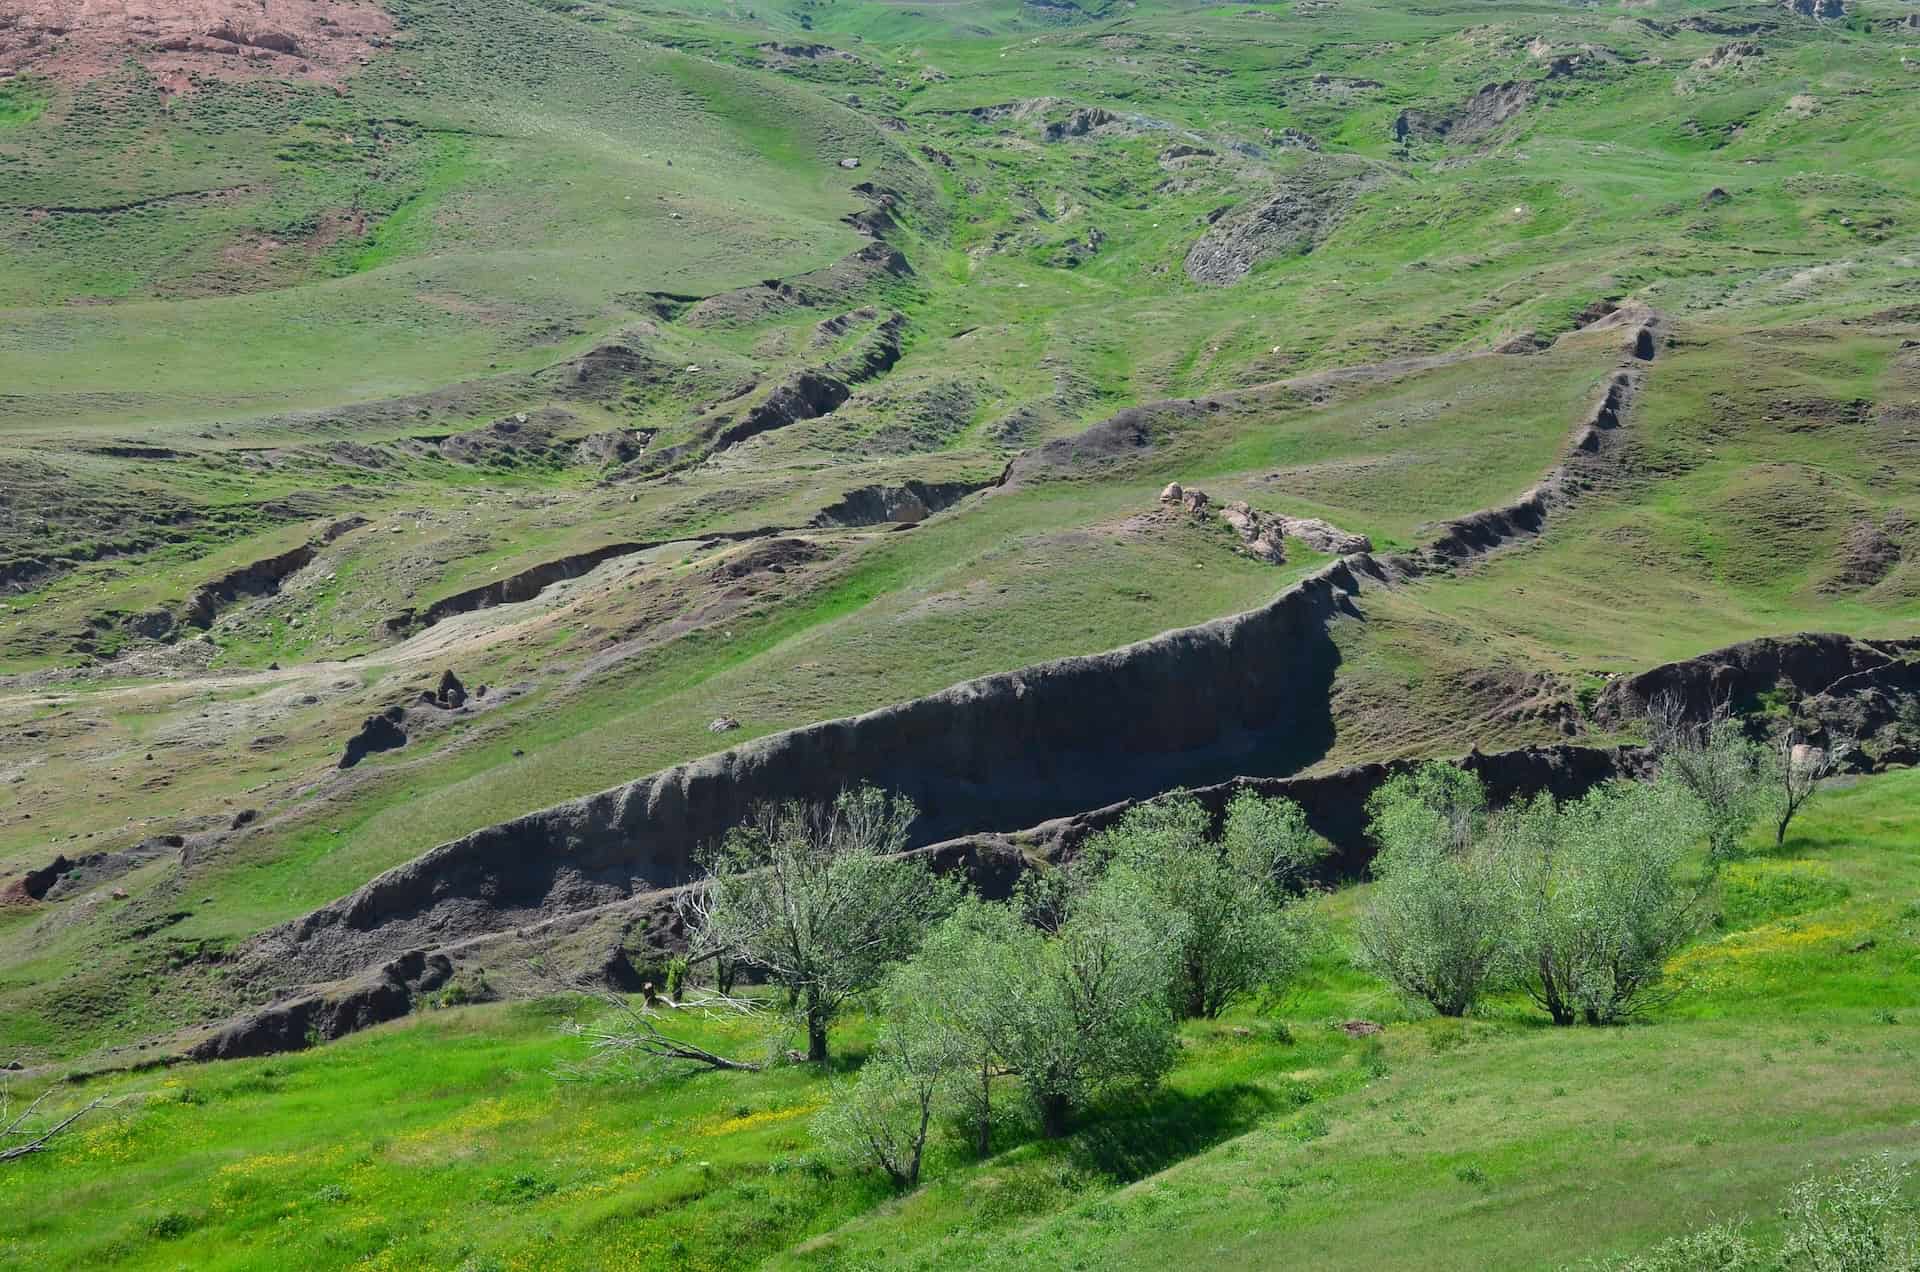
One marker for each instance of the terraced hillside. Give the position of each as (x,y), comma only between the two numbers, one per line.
(455,457)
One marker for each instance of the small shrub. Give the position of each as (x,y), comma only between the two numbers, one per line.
(1720,1247)
(519,1188)
(174,1223)
(1857,1221)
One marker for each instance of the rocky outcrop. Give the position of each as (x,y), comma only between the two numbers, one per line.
(1864,691)
(1471,120)
(525,585)
(1260,535)
(257,578)
(1247,694)
(382,731)
(909,502)
(1323,536)
(387,993)
(1305,208)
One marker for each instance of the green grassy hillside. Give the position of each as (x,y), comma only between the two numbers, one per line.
(484,356)
(452,1139)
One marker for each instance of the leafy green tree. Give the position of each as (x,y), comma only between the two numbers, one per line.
(1088,1006)
(1859,1220)
(959,979)
(1243,929)
(885,1113)
(1598,895)
(818,899)
(1718,765)
(1433,927)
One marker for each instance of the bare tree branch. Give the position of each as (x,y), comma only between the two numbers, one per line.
(38,1139)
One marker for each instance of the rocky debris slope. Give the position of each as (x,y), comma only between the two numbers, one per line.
(1837,689)
(178,40)
(1471,120)
(1304,209)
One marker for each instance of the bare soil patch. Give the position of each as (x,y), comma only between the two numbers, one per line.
(74,41)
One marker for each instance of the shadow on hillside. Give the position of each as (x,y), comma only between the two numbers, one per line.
(1144,1137)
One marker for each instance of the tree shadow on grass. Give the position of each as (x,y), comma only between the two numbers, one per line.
(1131,1140)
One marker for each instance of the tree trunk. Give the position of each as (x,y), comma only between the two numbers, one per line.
(816,1039)
(1196,996)
(985,1146)
(816,1028)
(1055,1116)
(1557,1007)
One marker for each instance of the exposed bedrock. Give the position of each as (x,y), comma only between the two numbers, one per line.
(259,578)
(1335,803)
(382,995)
(1471,120)
(908,502)
(1865,691)
(1241,695)
(527,584)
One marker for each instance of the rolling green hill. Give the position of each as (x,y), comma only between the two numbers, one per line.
(688,373)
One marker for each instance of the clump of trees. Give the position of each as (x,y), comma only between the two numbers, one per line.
(1067,992)
(1239,895)
(1071,990)
(1434,928)
(819,900)
(1736,779)
(1579,904)
(1075,986)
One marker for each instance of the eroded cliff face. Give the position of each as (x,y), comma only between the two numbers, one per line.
(1864,694)
(1242,695)
(594,941)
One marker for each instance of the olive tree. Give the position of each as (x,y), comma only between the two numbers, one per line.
(958,982)
(884,1114)
(1598,895)
(1244,930)
(1717,764)
(1087,1007)
(1434,926)
(818,899)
